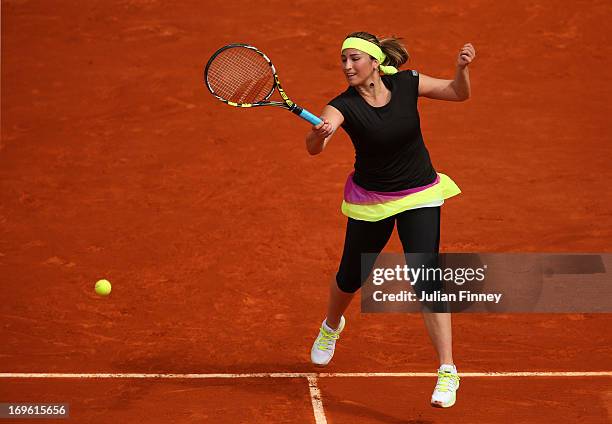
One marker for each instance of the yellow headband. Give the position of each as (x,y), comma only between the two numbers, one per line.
(371,49)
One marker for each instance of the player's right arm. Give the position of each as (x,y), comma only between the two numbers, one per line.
(320,134)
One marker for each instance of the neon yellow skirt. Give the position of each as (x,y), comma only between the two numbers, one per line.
(438,192)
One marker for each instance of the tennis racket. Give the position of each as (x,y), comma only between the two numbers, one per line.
(242,76)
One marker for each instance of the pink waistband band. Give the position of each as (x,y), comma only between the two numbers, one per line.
(360,196)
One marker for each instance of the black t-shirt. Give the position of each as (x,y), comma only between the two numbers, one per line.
(390,154)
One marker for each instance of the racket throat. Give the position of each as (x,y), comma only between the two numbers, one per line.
(296,109)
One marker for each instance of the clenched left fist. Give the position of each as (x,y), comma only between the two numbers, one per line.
(466,55)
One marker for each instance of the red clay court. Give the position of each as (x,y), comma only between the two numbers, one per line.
(220,233)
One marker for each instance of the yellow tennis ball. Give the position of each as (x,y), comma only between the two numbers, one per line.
(103,287)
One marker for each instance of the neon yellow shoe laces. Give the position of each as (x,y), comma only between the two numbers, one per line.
(326,339)
(447,381)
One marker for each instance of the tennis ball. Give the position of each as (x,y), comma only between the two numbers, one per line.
(103,287)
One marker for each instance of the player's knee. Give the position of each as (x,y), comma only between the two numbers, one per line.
(347,283)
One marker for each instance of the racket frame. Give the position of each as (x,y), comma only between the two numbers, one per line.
(286,103)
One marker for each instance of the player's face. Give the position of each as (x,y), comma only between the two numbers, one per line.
(357,66)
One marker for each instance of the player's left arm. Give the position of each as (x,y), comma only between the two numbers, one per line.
(456,90)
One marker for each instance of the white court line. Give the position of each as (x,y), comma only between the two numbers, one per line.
(317,403)
(308,375)
(315,393)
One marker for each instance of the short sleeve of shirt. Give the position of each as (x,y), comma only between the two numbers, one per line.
(410,79)
(340,103)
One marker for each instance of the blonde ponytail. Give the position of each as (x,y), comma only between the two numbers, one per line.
(395,51)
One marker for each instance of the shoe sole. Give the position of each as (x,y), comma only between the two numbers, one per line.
(321,365)
(441,405)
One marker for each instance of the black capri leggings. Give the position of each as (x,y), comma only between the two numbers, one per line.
(418,229)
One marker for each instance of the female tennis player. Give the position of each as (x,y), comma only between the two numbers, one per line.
(394,179)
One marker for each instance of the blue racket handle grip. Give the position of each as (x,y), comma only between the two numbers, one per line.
(304,114)
(314,120)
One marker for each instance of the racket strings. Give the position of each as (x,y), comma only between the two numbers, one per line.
(240,75)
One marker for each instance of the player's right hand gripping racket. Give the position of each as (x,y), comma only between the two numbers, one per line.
(242,76)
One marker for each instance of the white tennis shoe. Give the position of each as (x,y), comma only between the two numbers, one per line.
(445,393)
(323,348)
